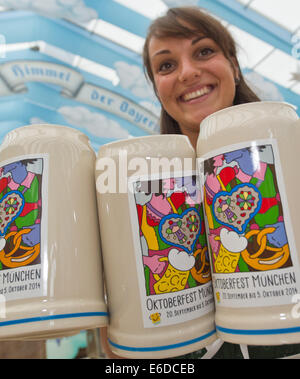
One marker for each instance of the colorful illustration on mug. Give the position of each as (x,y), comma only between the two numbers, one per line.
(155,318)
(172,235)
(20,213)
(244,212)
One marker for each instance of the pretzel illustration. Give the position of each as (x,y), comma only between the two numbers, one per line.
(203,274)
(278,256)
(30,253)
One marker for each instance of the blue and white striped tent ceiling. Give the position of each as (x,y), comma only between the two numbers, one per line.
(103,39)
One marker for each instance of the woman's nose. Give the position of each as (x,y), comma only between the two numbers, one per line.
(189,71)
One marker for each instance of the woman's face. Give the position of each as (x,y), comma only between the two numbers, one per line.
(192,78)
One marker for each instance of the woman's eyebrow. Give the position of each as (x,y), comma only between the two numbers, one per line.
(198,39)
(161,52)
(166,51)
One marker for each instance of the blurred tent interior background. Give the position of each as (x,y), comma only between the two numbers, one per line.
(78,63)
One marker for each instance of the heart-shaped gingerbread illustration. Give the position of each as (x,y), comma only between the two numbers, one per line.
(237,207)
(181,230)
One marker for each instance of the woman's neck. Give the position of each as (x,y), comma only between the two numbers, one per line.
(192,136)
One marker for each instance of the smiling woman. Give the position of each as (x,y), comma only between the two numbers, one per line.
(191,60)
(193,79)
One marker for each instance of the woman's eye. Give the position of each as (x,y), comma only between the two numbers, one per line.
(165,67)
(205,52)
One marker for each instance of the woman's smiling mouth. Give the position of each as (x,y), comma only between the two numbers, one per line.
(197,94)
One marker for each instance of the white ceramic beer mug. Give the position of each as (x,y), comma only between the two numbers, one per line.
(51,270)
(154,248)
(249,168)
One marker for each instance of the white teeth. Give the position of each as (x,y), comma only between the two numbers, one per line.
(200,92)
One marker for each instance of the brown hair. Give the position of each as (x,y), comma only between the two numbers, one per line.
(174,24)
